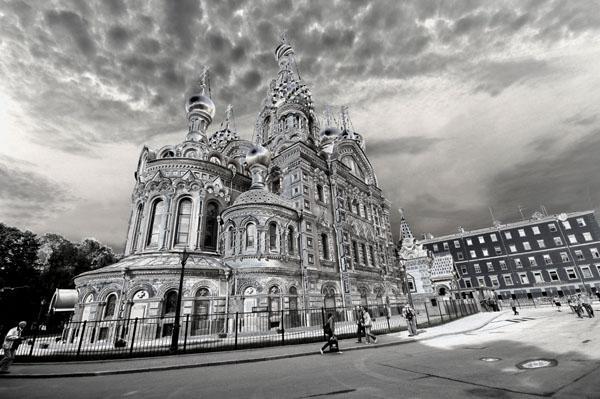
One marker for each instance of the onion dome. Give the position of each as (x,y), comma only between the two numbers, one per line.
(201,103)
(329,134)
(219,140)
(258,155)
(283,50)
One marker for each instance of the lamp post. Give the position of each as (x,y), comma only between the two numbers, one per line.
(176,325)
(405,278)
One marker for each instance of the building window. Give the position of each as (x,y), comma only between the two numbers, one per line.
(308,227)
(111,306)
(468,283)
(580,222)
(595,253)
(485,252)
(498,250)
(571,273)
(532,261)
(547,259)
(456,244)
(587,236)
(490,266)
(513,248)
(435,247)
(155,221)
(495,282)
(311,259)
(521,232)
(585,270)
(446,247)
(309,242)
(320,195)
(184,216)
(503,265)
(212,226)
(469,241)
(481,281)
(541,243)
(305,189)
(306,204)
(460,255)
(526,245)
(536,230)
(579,255)
(472,253)
(508,280)
(558,241)
(477,268)
(537,276)
(564,256)
(290,240)
(272,236)
(355,250)
(325,245)
(566,224)
(170,302)
(481,239)
(250,235)
(493,237)
(552,227)
(524,279)
(363,249)
(507,235)
(136,230)
(230,237)
(553,275)
(372,250)
(463,269)
(518,262)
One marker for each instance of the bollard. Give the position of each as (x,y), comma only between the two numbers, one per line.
(185,334)
(282,329)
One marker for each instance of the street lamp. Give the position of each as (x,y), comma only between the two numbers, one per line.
(176,326)
(405,278)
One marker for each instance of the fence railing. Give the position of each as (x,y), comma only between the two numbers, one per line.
(110,339)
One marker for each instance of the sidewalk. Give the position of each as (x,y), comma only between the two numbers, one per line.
(140,365)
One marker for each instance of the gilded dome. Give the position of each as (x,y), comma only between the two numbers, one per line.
(258,155)
(329,134)
(200,102)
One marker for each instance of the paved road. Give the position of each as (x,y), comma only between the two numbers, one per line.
(443,367)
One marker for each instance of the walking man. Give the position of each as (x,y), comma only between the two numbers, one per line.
(11,343)
(513,304)
(557,302)
(409,314)
(586,302)
(329,329)
(360,321)
(368,323)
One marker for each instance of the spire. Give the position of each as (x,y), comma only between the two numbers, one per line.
(328,115)
(404,229)
(200,109)
(228,115)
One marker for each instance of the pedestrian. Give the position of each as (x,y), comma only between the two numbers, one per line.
(368,323)
(409,314)
(360,328)
(513,305)
(577,306)
(332,341)
(10,346)
(586,302)
(598,295)
(557,302)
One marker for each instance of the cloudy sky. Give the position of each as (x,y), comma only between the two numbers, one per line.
(463,105)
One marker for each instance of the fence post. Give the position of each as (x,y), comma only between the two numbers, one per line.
(133,336)
(323,322)
(185,334)
(80,339)
(236,329)
(440,309)
(460,304)
(427,314)
(34,338)
(282,329)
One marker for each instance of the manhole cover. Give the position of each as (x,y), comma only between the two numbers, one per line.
(537,364)
(490,359)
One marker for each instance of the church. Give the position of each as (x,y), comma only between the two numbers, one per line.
(290,220)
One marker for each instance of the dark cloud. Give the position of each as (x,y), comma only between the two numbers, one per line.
(148,46)
(495,77)
(251,79)
(115,7)
(400,145)
(67,24)
(181,20)
(118,37)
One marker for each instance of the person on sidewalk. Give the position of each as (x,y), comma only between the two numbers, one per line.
(513,304)
(410,315)
(332,341)
(360,320)
(576,303)
(10,346)
(557,302)
(586,302)
(368,323)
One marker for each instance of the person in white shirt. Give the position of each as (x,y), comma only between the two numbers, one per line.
(10,345)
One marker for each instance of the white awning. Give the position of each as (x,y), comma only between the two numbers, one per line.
(64,300)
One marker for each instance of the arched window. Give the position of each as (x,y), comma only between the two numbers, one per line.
(379,302)
(320,195)
(202,304)
(250,235)
(274,299)
(192,154)
(215,160)
(355,250)
(329,299)
(211,231)
(230,238)
(184,216)
(372,255)
(168,154)
(290,241)
(325,245)
(355,207)
(170,302)
(155,222)
(363,297)
(136,229)
(293,298)
(111,306)
(363,248)
(272,236)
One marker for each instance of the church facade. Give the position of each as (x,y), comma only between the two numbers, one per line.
(292,220)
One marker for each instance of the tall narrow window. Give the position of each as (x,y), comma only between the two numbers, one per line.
(355,248)
(325,244)
(230,238)
(290,241)
(170,302)
(273,236)
(320,193)
(363,249)
(372,255)
(250,235)
(111,305)
(136,230)
(210,235)
(184,215)
(155,221)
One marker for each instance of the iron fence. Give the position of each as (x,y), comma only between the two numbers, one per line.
(110,339)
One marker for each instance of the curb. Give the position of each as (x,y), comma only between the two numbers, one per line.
(237,361)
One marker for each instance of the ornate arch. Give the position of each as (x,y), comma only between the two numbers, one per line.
(276,281)
(328,287)
(86,291)
(165,287)
(141,286)
(210,285)
(250,283)
(109,289)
